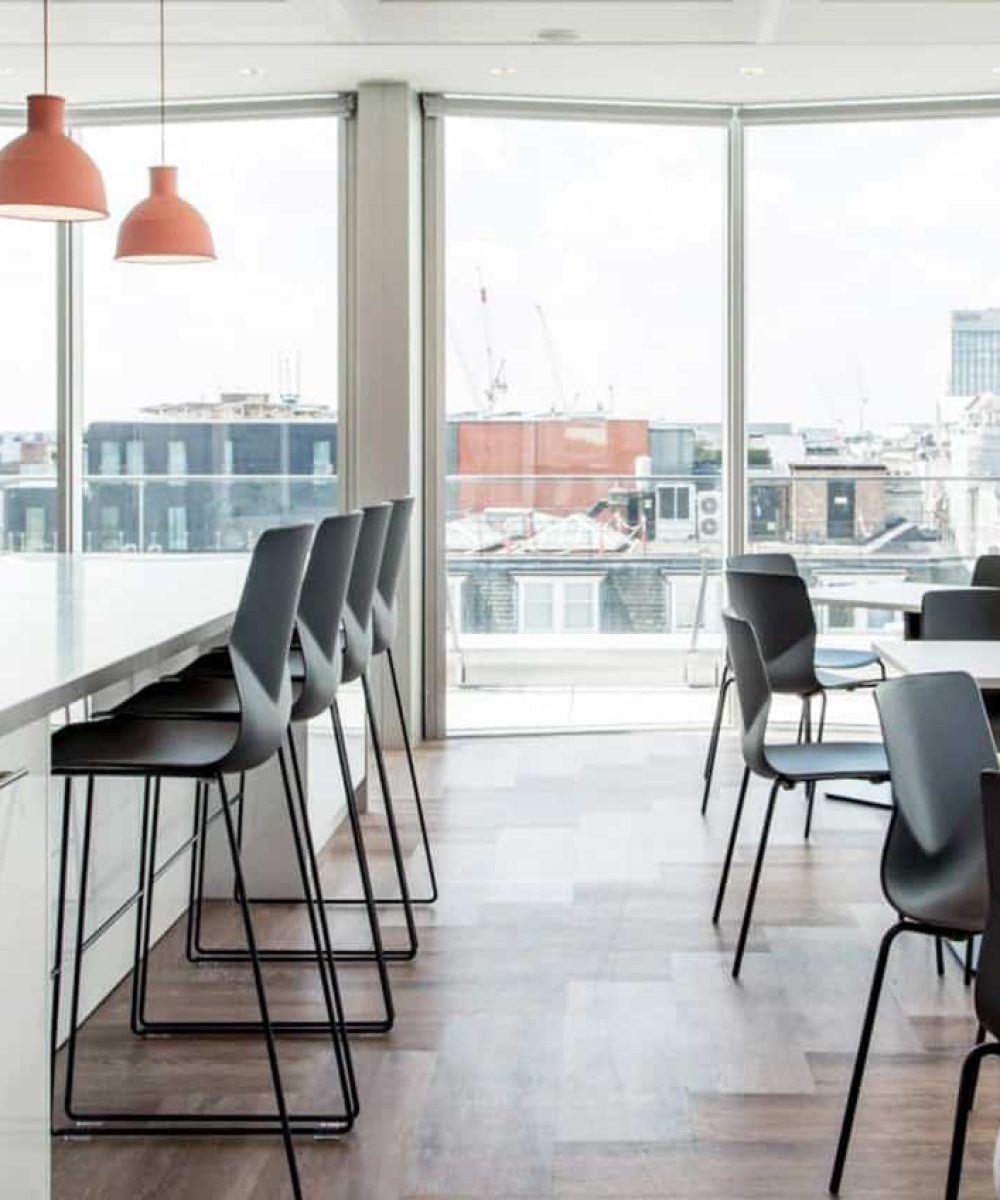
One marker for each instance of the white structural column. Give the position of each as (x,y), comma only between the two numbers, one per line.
(384,410)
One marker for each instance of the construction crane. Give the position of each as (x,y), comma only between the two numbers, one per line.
(496,384)
(550,351)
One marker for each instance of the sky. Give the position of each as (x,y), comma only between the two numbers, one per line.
(861,239)
(601,247)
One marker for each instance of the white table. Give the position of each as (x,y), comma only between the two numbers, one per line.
(71,627)
(981,660)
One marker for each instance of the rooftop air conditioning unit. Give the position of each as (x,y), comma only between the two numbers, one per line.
(708,508)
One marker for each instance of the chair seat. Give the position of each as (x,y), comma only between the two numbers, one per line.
(216,662)
(125,745)
(828,760)
(834,659)
(951,892)
(832,681)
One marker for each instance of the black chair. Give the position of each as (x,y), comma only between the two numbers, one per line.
(780,611)
(938,742)
(206,750)
(783,765)
(965,615)
(825,658)
(316,666)
(986,572)
(987,994)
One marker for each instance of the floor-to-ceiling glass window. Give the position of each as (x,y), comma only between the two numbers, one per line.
(585,376)
(873,342)
(28,368)
(211,391)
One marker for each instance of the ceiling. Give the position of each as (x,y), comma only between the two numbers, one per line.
(683,50)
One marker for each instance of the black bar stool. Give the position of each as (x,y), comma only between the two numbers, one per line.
(316,665)
(206,749)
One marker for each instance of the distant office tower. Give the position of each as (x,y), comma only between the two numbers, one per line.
(975,351)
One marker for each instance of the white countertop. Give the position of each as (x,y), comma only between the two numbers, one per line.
(981,660)
(72,624)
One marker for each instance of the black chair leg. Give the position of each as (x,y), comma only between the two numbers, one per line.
(258,978)
(196,881)
(432,894)
(730,848)
(963,1106)
(144,905)
(861,1058)
(713,740)
(755,880)
(969,969)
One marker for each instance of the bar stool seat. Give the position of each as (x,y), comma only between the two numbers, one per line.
(124,745)
(199,695)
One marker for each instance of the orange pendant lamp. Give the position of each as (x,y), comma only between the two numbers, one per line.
(164,228)
(44,174)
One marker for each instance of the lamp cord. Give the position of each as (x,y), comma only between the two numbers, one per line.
(163,82)
(45,44)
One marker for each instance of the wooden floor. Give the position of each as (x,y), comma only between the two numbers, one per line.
(570,1028)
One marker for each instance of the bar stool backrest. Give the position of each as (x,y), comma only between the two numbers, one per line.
(361,590)
(988,973)
(384,602)
(321,612)
(986,572)
(763,564)
(961,614)
(938,742)
(260,641)
(752,687)
(780,612)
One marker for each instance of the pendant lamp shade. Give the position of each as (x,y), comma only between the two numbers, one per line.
(164,228)
(45,175)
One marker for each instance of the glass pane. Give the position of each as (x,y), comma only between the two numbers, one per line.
(28,360)
(874,356)
(222,377)
(585,306)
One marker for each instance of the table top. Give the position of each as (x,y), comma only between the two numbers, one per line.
(981,660)
(73,624)
(900,596)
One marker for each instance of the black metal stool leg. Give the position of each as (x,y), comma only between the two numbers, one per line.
(81,921)
(939,956)
(390,817)
(193,938)
(258,977)
(60,929)
(432,895)
(377,953)
(144,904)
(861,1058)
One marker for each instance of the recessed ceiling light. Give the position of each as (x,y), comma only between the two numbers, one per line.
(751,72)
(252,72)
(996,70)
(503,72)
(6,71)
(558,35)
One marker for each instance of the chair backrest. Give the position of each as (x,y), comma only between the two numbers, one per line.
(986,572)
(752,688)
(938,742)
(780,611)
(260,641)
(961,614)
(763,564)
(384,604)
(988,973)
(321,612)
(361,590)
